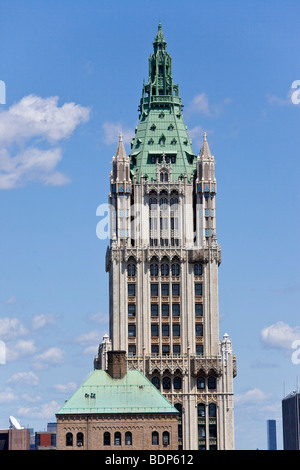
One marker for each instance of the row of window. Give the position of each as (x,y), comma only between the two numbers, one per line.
(165,330)
(117,439)
(165,350)
(165,310)
(165,289)
(165,269)
(166,383)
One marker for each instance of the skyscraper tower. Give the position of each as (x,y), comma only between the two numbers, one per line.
(163,264)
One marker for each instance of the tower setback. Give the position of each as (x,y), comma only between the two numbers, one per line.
(163,262)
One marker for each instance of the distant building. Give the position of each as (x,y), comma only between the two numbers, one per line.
(14,439)
(271,430)
(117,409)
(290,421)
(45,440)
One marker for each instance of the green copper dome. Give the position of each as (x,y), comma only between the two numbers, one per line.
(161,129)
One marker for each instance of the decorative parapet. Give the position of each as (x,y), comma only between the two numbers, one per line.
(206,365)
(205,255)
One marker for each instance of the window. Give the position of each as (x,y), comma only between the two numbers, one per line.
(199,310)
(131,350)
(106,439)
(166,438)
(131,331)
(153,269)
(176,310)
(198,269)
(165,349)
(154,310)
(199,329)
(79,439)
(212,410)
(131,290)
(211,383)
(131,269)
(165,310)
(198,288)
(176,349)
(155,438)
(166,383)
(177,383)
(154,349)
(200,383)
(156,382)
(199,349)
(154,289)
(175,268)
(176,330)
(117,439)
(201,410)
(131,310)
(175,290)
(154,330)
(212,430)
(165,289)
(128,438)
(69,439)
(201,431)
(165,330)
(164,269)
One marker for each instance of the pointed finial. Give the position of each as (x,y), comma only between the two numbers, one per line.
(204,137)
(120,137)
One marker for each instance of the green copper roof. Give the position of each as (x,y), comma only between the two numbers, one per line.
(161,129)
(100,393)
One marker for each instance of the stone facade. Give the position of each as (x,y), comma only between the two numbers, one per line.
(141,427)
(163,263)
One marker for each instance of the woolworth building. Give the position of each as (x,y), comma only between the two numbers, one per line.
(163,262)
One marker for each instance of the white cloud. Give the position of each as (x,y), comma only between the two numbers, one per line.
(11,328)
(101,318)
(251,397)
(90,337)
(112,131)
(200,104)
(280,335)
(51,357)
(21,348)
(66,388)
(39,321)
(31,121)
(7,396)
(45,411)
(24,378)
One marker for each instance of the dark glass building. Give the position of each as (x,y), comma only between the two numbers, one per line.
(290,421)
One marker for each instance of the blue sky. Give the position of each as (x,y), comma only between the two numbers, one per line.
(73,72)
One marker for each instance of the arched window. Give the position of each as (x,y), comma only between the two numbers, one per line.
(175,269)
(211,382)
(177,382)
(178,407)
(166,383)
(201,410)
(131,268)
(128,438)
(117,438)
(152,202)
(200,383)
(79,439)
(198,269)
(155,438)
(69,439)
(106,439)
(166,438)
(164,269)
(153,269)
(156,382)
(212,410)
